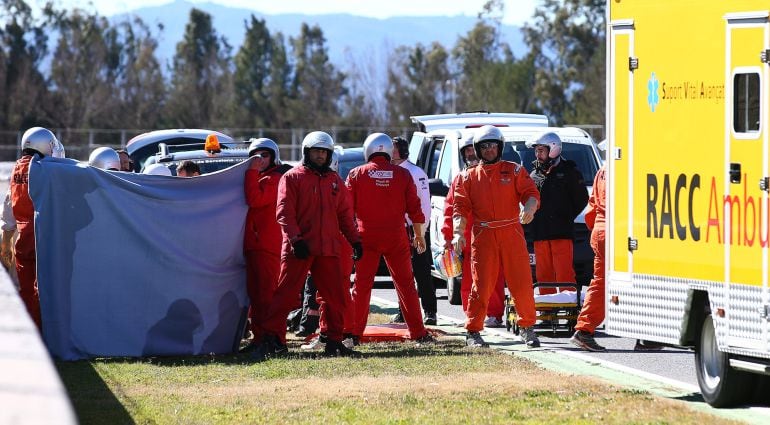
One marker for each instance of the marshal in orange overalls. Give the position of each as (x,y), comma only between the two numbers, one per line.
(491,194)
(24,212)
(592,313)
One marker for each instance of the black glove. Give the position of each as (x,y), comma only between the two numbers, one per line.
(358,251)
(300,248)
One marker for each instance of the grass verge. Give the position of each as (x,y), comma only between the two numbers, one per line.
(392,383)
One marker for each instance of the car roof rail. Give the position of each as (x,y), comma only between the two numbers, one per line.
(462,120)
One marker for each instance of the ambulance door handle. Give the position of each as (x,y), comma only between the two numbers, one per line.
(735,173)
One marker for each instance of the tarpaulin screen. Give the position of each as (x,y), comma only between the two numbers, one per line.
(138,265)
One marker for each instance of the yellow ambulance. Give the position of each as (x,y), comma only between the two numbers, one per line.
(687,231)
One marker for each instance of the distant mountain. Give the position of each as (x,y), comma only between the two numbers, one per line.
(347,35)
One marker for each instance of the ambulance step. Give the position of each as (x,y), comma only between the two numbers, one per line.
(751,365)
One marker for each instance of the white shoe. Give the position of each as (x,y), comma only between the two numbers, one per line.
(529,337)
(315,344)
(348,343)
(493,322)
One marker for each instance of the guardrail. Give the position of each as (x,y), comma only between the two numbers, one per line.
(80,142)
(30,389)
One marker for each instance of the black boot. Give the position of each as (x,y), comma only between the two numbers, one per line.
(338,349)
(270,347)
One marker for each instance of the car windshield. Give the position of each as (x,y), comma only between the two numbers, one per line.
(582,155)
(210,165)
(350,160)
(141,155)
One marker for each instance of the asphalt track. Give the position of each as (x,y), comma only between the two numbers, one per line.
(668,373)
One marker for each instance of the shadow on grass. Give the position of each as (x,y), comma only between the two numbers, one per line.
(370,350)
(92,399)
(697,397)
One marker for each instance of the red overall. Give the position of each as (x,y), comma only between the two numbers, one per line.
(311,206)
(496,306)
(382,194)
(24,212)
(491,194)
(261,242)
(592,313)
(346,269)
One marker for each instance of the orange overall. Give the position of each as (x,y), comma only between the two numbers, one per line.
(23,212)
(496,306)
(592,313)
(491,194)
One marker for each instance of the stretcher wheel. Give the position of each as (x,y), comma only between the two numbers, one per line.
(571,326)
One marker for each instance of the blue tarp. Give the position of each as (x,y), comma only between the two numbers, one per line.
(138,265)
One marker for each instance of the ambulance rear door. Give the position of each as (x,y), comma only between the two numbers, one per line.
(745,204)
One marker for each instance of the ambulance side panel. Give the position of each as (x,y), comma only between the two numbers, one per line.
(687,217)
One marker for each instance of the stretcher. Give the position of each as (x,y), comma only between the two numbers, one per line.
(553,311)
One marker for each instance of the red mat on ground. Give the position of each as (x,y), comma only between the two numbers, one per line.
(387,332)
(390,332)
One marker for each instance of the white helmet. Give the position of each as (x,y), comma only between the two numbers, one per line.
(550,140)
(488,133)
(336,155)
(157,170)
(104,158)
(464,141)
(265,143)
(317,140)
(378,143)
(40,140)
(58,150)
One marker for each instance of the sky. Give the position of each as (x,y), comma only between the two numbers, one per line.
(516,11)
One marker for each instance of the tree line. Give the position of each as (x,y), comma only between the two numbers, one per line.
(99,74)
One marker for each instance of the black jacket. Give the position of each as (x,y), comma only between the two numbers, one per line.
(563,195)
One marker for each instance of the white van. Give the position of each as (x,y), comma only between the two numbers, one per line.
(434,147)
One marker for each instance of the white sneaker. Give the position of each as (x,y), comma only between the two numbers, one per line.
(529,337)
(493,322)
(315,344)
(348,343)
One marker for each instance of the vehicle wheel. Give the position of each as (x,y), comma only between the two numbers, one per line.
(453,291)
(762,390)
(507,314)
(720,384)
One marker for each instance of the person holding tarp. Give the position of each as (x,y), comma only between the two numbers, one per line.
(35,141)
(262,235)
